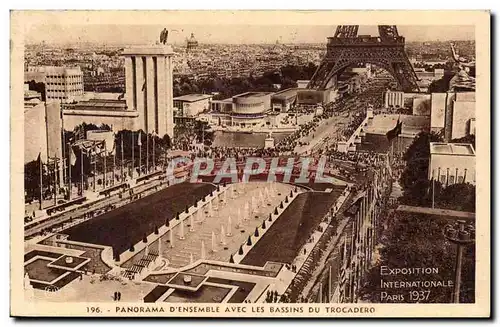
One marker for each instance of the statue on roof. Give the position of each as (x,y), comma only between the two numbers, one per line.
(463,79)
(164,36)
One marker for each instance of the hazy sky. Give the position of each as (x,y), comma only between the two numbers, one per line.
(238,34)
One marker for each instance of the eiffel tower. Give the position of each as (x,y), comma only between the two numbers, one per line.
(347,48)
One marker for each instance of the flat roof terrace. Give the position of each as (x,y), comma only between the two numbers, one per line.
(452,148)
(192,97)
(252,94)
(98,104)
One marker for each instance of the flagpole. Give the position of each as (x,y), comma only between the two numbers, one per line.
(133,159)
(433,190)
(154,150)
(121,164)
(95,166)
(147,152)
(55,180)
(69,169)
(81,168)
(41,178)
(114,159)
(105,170)
(140,154)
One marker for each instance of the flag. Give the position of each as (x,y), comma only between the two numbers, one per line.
(72,157)
(393,133)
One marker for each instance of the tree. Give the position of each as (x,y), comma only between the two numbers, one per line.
(441,85)
(256,233)
(231,259)
(471,138)
(275,211)
(271,217)
(249,240)
(32,179)
(240,251)
(38,87)
(145,238)
(460,196)
(156,231)
(414,178)
(132,249)
(264,224)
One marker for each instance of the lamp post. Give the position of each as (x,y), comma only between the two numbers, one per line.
(461,235)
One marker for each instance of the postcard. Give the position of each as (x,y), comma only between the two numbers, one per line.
(250,164)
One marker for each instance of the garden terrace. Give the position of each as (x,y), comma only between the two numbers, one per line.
(95,265)
(160,278)
(127,225)
(290,232)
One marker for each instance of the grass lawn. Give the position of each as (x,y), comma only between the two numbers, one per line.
(126,225)
(290,232)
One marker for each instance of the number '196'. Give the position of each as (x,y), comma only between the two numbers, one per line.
(93,310)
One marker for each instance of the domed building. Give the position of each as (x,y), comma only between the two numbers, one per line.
(192,43)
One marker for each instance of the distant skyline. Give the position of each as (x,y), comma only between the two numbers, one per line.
(224,34)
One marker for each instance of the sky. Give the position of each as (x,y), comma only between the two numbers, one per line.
(235,34)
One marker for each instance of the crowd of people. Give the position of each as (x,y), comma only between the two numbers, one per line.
(367,159)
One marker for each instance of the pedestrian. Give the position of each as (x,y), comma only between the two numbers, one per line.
(115,296)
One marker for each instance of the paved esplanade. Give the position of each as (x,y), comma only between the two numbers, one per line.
(235,232)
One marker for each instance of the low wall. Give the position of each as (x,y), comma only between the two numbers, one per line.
(350,144)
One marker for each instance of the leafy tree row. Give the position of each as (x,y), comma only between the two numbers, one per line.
(285,76)
(417,189)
